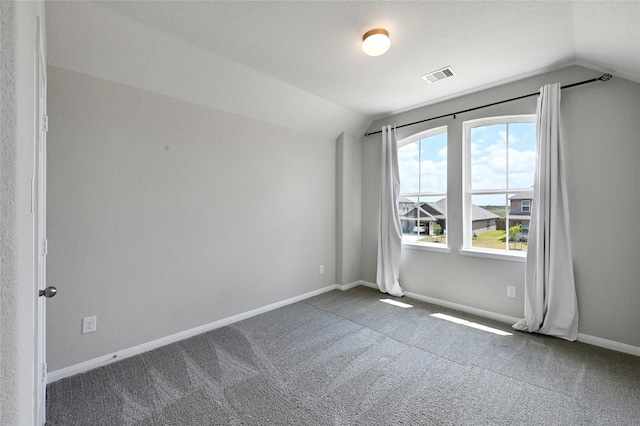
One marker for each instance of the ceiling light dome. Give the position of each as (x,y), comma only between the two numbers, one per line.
(375,42)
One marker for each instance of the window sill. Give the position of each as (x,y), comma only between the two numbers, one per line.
(499,255)
(440,248)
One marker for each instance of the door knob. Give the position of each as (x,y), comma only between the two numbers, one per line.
(48,292)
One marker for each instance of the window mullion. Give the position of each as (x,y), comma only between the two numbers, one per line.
(507,208)
(507,159)
(419,186)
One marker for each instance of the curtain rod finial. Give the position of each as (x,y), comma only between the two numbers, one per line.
(605,77)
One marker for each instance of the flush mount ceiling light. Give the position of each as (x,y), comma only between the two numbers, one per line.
(375,42)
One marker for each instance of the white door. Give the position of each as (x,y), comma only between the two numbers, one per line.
(40,224)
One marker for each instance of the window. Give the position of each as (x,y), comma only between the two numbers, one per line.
(422,161)
(499,156)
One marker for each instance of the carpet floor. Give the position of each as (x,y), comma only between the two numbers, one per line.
(345,358)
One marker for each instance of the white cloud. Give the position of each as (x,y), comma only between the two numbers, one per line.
(443,152)
(434,176)
(490,156)
(433,171)
(489,168)
(475,148)
(521,160)
(408,175)
(486,177)
(502,135)
(408,152)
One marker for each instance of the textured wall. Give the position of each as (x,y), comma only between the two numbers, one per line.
(17,289)
(8,273)
(166,215)
(348,186)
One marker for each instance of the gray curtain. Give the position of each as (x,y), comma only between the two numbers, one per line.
(551,305)
(389,230)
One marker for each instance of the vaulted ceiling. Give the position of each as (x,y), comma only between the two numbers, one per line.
(315,46)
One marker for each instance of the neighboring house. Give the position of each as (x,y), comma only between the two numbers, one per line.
(482,220)
(423,217)
(404,205)
(519,212)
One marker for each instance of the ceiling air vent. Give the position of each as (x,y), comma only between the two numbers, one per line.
(438,75)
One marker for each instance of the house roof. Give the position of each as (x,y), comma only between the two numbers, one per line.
(423,212)
(478,213)
(524,196)
(440,209)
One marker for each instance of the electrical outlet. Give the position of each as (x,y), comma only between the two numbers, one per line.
(511,291)
(89,324)
(322,269)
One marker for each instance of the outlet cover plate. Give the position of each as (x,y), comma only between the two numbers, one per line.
(89,324)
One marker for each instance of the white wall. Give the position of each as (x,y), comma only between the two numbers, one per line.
(348,187)
(18,293)
(183,187)
(602,125)
(165,215)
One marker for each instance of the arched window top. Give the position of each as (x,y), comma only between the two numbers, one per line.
(422,135)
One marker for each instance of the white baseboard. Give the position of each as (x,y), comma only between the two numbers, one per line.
(368,284)
(82,367)
(609,344)
(584,338)
(349,286)
(458,307)
(463,308)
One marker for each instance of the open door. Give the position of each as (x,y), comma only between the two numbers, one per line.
(39,205)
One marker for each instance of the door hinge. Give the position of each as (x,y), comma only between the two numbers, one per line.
(44,371)
(45,247)
(45,123)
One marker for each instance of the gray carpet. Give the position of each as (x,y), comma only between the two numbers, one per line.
(345,358)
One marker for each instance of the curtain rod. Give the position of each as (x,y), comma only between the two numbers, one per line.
(603,77)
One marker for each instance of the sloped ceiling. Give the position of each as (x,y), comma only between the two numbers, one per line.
(309,52)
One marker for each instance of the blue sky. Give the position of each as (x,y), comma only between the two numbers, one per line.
(429,156)
(492,150)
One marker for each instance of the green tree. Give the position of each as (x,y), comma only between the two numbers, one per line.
(513,233)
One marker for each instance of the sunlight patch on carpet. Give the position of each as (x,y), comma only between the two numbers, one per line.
(396,303)
(471,324)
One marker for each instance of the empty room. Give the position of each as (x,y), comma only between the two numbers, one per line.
(320,213)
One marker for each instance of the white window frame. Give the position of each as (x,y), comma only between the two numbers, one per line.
(423,245)
(528,210)
(467,231)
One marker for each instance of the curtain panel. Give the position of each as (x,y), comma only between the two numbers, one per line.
(551,305)
(389,229)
